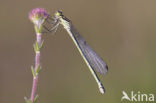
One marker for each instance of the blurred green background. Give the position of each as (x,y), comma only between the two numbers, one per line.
(123,32)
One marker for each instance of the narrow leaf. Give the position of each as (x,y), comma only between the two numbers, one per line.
(37,46)
(38,69)
(41,44)
(33,71)
(34,48)
(27,100)
(36,98)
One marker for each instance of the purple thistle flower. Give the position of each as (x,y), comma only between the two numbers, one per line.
(37,16)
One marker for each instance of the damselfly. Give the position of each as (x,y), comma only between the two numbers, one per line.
(92,59)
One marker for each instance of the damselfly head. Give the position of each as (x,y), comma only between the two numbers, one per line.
(58,13)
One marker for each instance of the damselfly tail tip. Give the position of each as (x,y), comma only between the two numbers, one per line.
(102,90)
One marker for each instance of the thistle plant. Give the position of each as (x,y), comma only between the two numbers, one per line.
(37,16)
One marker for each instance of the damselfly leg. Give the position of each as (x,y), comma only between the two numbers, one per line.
(51,24)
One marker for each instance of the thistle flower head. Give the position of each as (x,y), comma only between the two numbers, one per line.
(38,16)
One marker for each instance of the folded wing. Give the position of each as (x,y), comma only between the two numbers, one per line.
(94,60)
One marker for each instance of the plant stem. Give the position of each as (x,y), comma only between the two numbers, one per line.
(37,63)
